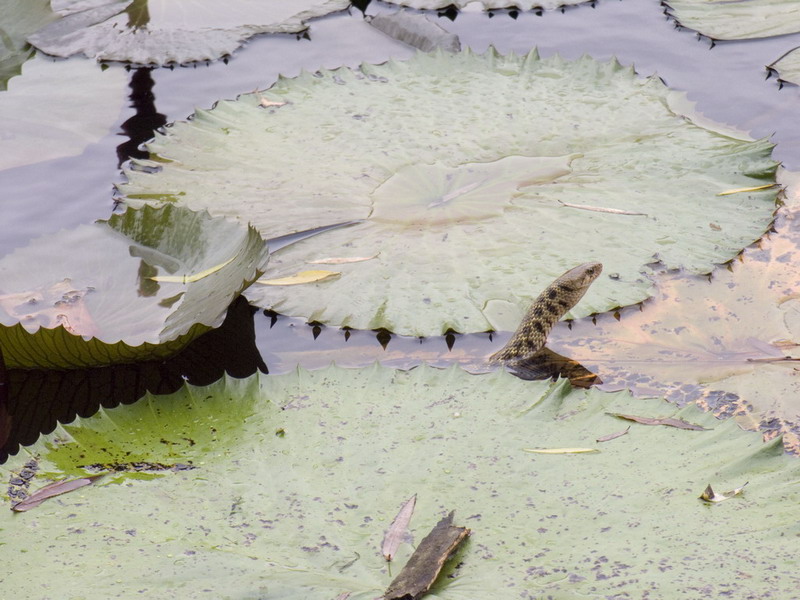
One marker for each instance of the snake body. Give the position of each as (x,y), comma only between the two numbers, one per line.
(556,299)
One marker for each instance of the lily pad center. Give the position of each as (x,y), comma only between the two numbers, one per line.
(442,195)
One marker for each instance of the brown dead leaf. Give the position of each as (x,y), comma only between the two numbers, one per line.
(54,489)
(666,421)
(613,436)
(426,563)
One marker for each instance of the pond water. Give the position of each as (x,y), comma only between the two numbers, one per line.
(728,82)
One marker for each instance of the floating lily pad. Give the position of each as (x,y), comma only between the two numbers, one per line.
(39,124)
(480,178)
(92,296)
(18,19)
(743,19)
(788,66)
(488,4)
(730,343)
(180,31)
(297,477)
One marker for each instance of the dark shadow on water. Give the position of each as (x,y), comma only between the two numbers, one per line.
(289,343)
(141,126)
(38,400)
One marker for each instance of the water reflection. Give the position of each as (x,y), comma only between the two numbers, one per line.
(287,343)
(142,125)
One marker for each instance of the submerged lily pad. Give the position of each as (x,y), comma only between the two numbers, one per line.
(297,477)
(480,178)
(38,124)
(788,66)
(488,4)
(743,19)
(97,295)
(159,32)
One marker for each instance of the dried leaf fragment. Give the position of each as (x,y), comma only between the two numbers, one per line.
(191,278)
(333,260)
(301,277)
(426,563)
(398,530)
(267,103)
(54,489)
(613,436)
(709,495)
(613,211)
(666,421)
(561,450)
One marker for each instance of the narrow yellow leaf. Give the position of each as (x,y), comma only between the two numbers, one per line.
(191,278)
(301,277)
(748,189)
(561,450)
(332,260)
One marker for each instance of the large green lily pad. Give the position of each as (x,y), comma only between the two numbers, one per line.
(298,476)
(180,31)
(481,178)
(37,126)
(743,19)
(88,296)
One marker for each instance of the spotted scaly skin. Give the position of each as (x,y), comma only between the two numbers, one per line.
(557,298)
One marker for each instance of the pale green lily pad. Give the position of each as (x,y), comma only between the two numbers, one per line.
(18,19)
(743,19)
(788,66)
(53,110)
(474,174)
(87,297)
(297,477)
(174,31)
(730,343)
(487,4)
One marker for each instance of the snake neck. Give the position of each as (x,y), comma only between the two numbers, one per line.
(552,304)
